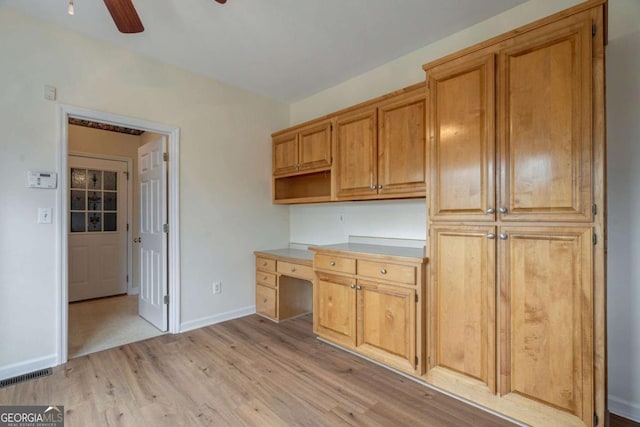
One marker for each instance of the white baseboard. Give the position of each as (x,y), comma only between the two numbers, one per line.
(222,317)
(15,369)
(630,410)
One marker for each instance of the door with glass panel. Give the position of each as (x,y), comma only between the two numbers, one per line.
(97,228)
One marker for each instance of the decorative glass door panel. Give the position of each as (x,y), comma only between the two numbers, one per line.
(93,200)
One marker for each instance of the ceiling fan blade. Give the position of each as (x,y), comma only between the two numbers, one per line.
(221,1)
(125,16)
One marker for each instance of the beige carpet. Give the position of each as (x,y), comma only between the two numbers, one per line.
(104,323)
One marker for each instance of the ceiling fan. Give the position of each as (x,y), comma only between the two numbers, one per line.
(126,17)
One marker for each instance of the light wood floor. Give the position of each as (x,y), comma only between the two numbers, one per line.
(248,371)
(103,323)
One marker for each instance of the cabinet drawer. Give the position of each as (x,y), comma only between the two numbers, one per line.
(335,263)
(266,301)
(268,279)
(265,264)
(295,270)
(387,271)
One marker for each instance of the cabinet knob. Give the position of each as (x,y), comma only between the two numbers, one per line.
(491,210)
(352,286)
(292,269)
(373,186)
(379,186)
(264,301)
(491,236)
(383,271)
(332,263)
(503,210)
(503,236)
(264,264)
(359,287)
(264,277)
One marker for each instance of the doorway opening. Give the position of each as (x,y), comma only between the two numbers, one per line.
(119,234)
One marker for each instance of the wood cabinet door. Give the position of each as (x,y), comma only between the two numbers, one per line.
(545,124)
(462,139)
(266,301)
(285,153)
(387,324)
(401,145)
(315,146)
(546,316)
(462,295)
(334,309)
(355,156)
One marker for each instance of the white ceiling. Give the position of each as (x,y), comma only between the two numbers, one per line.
(283,49)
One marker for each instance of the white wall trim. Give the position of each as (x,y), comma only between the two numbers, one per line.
(131,289)
(218,318)
(15,369)
(630,410)
(173,135)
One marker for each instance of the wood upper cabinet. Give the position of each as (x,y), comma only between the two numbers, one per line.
(544,121)
(538,85)
(380,149)
(401,145)
(462,135)
(461,297)
(356,148)
(305,149)
(546,317)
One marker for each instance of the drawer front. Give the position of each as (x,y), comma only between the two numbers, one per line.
(335,263)
(387,271)
(265,264)
(266,301)
(295,270)
(264,278)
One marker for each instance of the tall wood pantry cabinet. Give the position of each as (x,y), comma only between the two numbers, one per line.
(516,220)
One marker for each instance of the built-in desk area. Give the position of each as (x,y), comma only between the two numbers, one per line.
(284,280)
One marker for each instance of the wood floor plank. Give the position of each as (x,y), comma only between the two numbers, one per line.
(245,372)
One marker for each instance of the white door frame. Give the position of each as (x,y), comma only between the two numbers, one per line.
(129,213)
(173,144)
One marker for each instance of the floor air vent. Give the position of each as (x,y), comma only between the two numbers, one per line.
(25,377)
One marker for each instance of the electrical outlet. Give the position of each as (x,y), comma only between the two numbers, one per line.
(217,288)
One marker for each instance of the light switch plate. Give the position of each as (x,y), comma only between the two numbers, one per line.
(44,215)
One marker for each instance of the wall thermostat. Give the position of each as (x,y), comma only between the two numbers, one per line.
(42,179)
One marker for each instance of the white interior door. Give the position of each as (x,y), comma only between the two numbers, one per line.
(98,228)
(152,242)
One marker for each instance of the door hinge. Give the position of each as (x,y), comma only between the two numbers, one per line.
(127,175)
(127,278)
(415,361)
(165,228)
(165,157)
(593,29)
(127,227)
(595,419)
(595,239)
(416,297)
(166,299)
(594,209)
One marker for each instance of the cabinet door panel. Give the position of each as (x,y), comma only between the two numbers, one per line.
(401,146)
(285,154)
(386,324)
(335,308)
(462,301)
(315,146)
(462,134)
(356,144)
(547,316)
(545,117)
(266,301)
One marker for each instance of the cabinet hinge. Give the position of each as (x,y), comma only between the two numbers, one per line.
(594,209)
(429,360)
(593,29)
(595,419)
(415,361)
(166,299)
(165,157)
(595,239)
(165,228)
(416,297)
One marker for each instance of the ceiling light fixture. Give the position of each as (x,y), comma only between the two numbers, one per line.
(70,9)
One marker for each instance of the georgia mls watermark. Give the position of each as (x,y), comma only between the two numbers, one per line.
(32,416)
